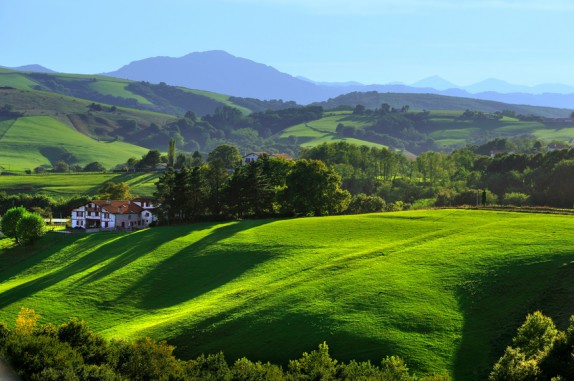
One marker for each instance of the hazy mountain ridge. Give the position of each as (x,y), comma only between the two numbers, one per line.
(221,72)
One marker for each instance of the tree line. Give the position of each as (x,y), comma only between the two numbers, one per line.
(224,188)
(72,351)
(535,177)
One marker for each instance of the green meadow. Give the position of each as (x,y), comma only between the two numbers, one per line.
(324,130)
(444,289)
(446,129)
(69,184)
(29,142)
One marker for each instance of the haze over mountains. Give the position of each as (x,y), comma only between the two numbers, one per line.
(221,72)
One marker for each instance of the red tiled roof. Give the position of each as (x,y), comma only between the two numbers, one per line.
(281,156)
(118,206)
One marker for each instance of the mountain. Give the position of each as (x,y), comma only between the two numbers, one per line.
(435,82)
(221,72)
(32,68)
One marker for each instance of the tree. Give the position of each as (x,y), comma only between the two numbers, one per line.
(225,156)
(314,189)
(61,167)
(171,153)
(10,220)
(30,228)
(113,191)
(149,161)
(94,167)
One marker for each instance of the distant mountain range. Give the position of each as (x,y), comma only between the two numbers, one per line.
(221,72)
(33,68)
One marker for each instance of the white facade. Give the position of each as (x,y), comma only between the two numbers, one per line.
(111,214)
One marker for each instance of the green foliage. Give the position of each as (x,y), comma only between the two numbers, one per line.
(10,221)
(113,191)
(30,228)
(362,203)
(312,188)
(540,352)
(317,365)
(94,166)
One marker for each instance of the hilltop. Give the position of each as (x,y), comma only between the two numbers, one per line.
(444,289)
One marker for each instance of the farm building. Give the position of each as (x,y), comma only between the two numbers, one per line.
(112,214)
(253,156)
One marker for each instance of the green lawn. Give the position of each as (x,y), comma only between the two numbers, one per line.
(41,140)
(445,289)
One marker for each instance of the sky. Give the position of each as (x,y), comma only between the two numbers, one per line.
(525,42)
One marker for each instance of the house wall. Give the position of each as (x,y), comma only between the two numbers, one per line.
(129,220)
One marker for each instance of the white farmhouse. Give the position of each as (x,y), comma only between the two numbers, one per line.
(111,214)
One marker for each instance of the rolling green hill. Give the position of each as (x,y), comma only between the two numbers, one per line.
(124,93)
(445,289)
(30,142)
(69,184)
(446,128)
(373,99)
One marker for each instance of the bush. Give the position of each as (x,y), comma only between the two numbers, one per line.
(362,203)
(10,221)
(516,199)
(30,228)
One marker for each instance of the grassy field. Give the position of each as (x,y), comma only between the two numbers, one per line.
(29,142)
(445,289)
(56,184)
(446,129)
(324,130)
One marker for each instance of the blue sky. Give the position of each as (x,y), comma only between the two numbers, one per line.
(370,41)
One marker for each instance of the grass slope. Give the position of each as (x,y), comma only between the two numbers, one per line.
(445,128)
(372,100)
(324,130)
(56,184)
(29,142)
(445,289)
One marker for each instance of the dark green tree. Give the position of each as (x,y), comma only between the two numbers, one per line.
(30,228)
(171,153)
(312,188)
(94,167)
(10,221)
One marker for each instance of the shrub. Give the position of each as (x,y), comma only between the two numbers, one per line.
(516,199)
(362,203)
(30,228)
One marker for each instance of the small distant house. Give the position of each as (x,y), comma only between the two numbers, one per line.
(114,214)
(556,146)
(253,156)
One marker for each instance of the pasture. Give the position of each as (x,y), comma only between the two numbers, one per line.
(29,142)
(69,184)
(445,289)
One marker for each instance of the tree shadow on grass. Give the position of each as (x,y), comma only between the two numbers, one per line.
(278,336)
(138,245)
(124,248)
(496,304)
(19,259)
(192,272)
